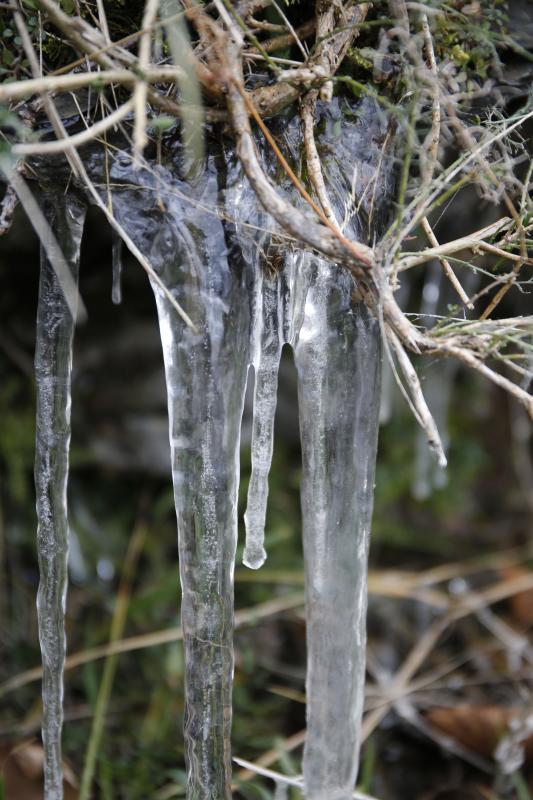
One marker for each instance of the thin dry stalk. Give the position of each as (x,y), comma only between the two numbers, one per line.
(140,94)
(445,264)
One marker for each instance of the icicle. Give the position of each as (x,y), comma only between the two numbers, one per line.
(439,379)
(337,356)
(53,363)
(281,791)
(116,289)
(265,397)
(338,359)
(206,371)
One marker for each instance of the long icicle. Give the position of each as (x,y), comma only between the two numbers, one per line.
(53,364)
(338,360)
(337,356)
(206,370)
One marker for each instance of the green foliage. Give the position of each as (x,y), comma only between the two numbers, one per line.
(469,33)
(17,435)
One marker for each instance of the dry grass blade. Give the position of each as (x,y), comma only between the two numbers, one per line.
(257,769)
(243,617)
(417,400)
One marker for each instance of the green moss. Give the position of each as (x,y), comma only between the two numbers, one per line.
(469,33)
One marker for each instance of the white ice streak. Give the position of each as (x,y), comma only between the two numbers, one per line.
(116,287)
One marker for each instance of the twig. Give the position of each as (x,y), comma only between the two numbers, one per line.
(420,408)
(314,167)
(18,90)
(292,31)
(433,137)
(470,242)
(77,139)
(140,94)
(445,264)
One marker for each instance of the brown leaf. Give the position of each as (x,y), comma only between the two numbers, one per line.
(521,604)
(478,728)
(23,774)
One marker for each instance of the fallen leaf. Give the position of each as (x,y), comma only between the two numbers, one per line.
(23,774)
(521,604)
(478,728)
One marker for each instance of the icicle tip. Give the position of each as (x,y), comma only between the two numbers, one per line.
(254,558)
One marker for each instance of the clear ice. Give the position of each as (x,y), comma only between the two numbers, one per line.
(53,364)
(249,290)
(116,286)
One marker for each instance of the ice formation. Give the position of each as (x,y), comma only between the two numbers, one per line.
(116,286)
(53,364)
(249,290)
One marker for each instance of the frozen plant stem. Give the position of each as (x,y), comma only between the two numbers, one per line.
(53,364)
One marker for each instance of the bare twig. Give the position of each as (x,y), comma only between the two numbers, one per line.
(18,90)
(141,91)
(446,268)
(77,139)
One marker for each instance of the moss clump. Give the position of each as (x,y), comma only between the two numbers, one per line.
(470,34)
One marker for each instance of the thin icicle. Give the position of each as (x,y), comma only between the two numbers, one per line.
(116,288)
(253,230)
(281,792)
(53,364)
(438,382)
(265,397)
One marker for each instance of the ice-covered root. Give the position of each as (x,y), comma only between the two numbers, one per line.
(337,356)
(53,364)
(265,397)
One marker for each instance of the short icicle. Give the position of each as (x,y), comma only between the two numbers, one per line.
(116,286)
(53,364)
(265,397)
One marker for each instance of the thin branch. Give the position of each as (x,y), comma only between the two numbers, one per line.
(140,94)
(314,167)
(18,90)
(446,267)
(416,396)
(473,241)
(77,139)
